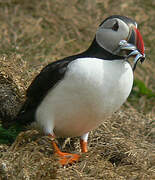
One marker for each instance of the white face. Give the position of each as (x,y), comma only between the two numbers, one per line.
(110,33)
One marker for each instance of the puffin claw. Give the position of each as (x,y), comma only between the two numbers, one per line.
(68,158)
(65,158)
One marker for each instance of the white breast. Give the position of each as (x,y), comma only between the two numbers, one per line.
(91,90)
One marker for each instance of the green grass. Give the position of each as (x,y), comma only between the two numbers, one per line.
(140,89)
(7,136)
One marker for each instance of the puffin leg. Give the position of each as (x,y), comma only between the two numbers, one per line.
(83,143)
(65,158)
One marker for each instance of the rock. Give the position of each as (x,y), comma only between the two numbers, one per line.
(10,100)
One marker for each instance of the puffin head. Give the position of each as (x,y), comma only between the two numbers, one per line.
(119,36)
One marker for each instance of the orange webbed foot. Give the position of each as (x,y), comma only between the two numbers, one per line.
(67,158)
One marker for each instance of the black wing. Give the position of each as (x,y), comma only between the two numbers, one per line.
(48,78)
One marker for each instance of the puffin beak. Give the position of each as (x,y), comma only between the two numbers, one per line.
(133,46)
(139,41)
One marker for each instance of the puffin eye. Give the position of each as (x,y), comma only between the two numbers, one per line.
(115,26)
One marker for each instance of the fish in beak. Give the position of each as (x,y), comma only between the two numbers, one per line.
(133,46)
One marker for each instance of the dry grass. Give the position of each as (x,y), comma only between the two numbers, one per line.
(118,149)
(34,33)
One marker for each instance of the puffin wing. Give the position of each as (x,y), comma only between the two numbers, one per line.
(45,80)
(48,78)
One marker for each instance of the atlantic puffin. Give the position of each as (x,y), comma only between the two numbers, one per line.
(74,95)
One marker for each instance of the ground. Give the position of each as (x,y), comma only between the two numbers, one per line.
(34,33)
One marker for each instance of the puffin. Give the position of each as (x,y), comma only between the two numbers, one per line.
(73,96)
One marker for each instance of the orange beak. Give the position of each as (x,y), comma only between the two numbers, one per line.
(139,41)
